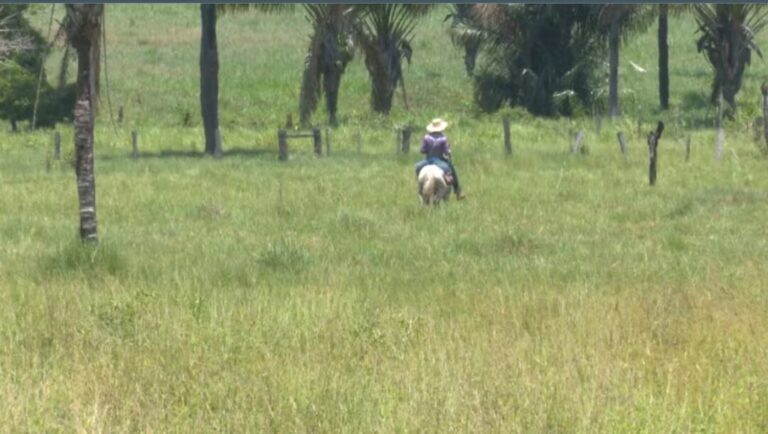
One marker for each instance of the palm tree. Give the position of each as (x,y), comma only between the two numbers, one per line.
(330,50)
(619,19)
(209,66)
(12,39)
(209,77)
(462,34)
(664,10)
(384,32)
(727,39)
(535,56)
(83,27)
(663,57)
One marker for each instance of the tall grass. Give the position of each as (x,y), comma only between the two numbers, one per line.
(244,295)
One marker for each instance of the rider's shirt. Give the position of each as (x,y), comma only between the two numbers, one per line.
(435,145)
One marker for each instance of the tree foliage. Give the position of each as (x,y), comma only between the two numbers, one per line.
(22,49)
(533,55)
(330,50)
(464,35)
(728,39)
(384,33)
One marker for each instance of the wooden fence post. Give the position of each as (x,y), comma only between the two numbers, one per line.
(720,131)
(398,142)
(622,144)
(120,115)
(507,138)
(764,90)
(653,144)
(598,122)
(282,145)
(317,141)
(134,144)
(328,141)
(359,140)
(576,145)
(217,151)
(688,148)
(57,145)
(405,144)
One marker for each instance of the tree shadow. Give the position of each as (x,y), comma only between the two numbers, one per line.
(172,153)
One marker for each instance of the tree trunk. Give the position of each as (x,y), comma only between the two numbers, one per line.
(653,152)
(663,57)
(209,76)
(764,91)
(84,34)
(86,181)
(382,92)
(331,84)
(720,131)
(613,47)
(470,57)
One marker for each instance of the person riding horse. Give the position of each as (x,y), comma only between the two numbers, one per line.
(438,152)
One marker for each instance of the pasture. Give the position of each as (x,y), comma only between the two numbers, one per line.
(242,294)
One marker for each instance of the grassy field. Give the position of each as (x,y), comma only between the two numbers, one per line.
(247,295)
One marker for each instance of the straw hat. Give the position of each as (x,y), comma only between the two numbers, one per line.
(437,125)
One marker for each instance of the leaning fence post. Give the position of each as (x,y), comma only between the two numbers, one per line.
(507,138)
(282,145)
(134,144)
(653,144)
(57,145)
(317,140)
(622,144)
(405,145)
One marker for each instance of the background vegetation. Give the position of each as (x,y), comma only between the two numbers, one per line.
(240,294)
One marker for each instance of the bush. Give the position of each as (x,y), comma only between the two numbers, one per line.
(17,91)
(19,76)
(17,97)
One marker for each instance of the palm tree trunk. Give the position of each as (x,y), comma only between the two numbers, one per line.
(209,77)
(470,57)
(383,84)
(613,86)
(86,181)
(83,27)
(382,93)
(331,83)
(663,57)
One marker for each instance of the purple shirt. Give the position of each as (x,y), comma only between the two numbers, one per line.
(435,145)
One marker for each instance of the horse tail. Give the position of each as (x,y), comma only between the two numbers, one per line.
(429,190)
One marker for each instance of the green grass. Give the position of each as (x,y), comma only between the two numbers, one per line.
(245,295)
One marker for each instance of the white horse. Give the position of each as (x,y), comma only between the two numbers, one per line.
(433,187)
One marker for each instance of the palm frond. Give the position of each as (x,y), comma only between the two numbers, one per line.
(310,82)
(238,8)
